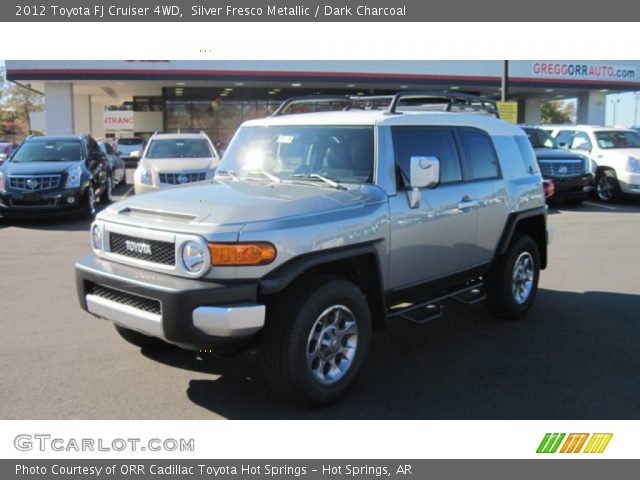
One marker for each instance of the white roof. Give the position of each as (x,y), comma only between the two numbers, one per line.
(587,128)
(488,123)
(172,136)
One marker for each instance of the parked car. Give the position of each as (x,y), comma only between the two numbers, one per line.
(320,227)
(614,152)
(50,175)
(570,171)
(175,159)
(130,149)
(117,165)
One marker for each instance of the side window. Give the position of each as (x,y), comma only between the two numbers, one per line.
(581,141)
(482,157)
(565,137)
(427,142)
(528,155)
(92,146)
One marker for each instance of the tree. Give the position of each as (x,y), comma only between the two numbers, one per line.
(16,103)
(557,112)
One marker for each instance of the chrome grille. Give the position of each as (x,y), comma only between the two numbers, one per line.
(124,298)
(34,183)
(160,252)
(179,178)
(562,168)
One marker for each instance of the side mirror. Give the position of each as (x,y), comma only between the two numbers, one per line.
(424,172)
(93,158)
(583,147)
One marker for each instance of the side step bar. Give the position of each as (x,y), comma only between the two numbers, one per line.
(427,310)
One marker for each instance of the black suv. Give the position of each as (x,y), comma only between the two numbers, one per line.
(55,174)
(570,172)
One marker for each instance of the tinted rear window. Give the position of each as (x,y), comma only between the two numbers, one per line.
(130,141)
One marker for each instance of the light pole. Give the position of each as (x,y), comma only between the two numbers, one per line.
(614,103)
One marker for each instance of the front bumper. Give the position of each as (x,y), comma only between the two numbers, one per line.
(574,187)
(187,312)
(629,183)
(29,204)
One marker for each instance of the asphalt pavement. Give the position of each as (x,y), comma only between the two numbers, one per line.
(575,356)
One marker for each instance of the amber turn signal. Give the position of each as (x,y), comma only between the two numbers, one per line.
(230,254)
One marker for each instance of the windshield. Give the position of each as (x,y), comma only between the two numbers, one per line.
(49,151)
(343,154)
(540,138)
(180,148)
(617,139)
(130,141)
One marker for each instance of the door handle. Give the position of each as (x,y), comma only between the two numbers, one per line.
(466,203)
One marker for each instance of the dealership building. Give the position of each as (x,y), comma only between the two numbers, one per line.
(126,98)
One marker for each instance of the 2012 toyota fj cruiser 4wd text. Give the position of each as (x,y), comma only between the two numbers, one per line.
(318,228)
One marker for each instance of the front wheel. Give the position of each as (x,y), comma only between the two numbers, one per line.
(607,186)
(90,206)
(107,191)
(512,283)
(316,340)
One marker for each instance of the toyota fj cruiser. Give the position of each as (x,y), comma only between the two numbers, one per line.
(319,228)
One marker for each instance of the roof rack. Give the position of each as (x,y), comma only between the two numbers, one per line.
(468,101)
(473,102)
(309,99)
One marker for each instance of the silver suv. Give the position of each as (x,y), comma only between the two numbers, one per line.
(319,228)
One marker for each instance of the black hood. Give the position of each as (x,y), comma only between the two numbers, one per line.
(38,168)
(556,154)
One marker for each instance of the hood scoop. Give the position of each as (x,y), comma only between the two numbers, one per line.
(157,214)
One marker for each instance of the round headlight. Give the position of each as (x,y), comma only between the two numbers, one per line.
(193,256)
(96,237)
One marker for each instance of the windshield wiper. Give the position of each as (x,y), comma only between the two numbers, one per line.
(326,180)
(231,173)
(270,176)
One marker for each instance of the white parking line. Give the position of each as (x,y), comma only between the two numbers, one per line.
(609,207)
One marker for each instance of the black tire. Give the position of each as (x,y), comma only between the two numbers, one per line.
(107,193)
(294,361)
(503,299)
(141,340)
(90,205)
(607,186)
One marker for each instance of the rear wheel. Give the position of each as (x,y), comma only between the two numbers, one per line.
(607,186)
(512,283)
(141,340)
(316,340)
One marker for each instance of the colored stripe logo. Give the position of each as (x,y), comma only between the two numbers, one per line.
(574,443)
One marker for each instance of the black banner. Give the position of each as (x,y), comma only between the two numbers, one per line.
(313,11)
(318,469)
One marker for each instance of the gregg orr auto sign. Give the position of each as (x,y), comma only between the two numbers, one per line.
(584,71)
(118,120)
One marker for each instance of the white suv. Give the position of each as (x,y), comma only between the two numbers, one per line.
(613,151)
(172,159)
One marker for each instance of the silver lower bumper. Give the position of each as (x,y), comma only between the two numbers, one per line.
(219,321)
